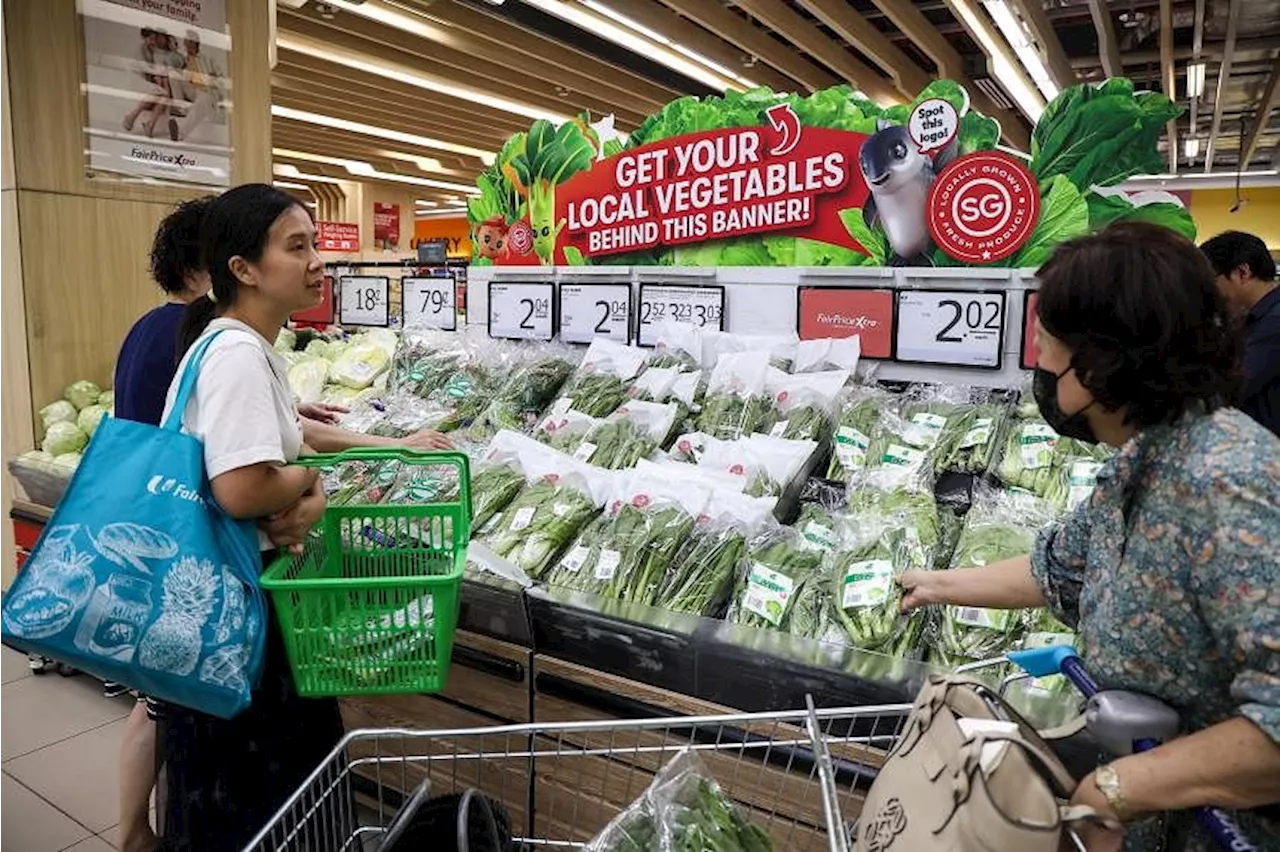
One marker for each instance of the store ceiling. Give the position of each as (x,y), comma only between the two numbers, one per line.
(421,92)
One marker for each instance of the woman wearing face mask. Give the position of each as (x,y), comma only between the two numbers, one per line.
(225,778)
(1171,570)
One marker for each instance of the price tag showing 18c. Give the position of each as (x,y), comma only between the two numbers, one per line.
(365,300)
(700,306)
(954,327)
(588,311)
(430,303)
(521,310)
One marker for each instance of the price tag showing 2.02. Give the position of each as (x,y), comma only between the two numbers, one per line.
(430,303)
(954,327)
(365,300)
(521,310)
(659,303)
(592,310)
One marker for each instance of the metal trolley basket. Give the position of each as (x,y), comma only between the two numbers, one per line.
(795,773)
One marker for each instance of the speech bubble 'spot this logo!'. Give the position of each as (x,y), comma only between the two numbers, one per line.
(983,207)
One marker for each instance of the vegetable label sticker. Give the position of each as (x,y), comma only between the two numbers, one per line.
(768,593)
(1035,445)
(1083,477)
(816,536)
(924,430)
(976,616)
(522,518)
(576,559)
(983,207)
(585,451)
(607,564)
(900,456)
(867,583)
(979,435)
(851,448)
(779,429)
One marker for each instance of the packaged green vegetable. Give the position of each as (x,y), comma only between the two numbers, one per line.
(777,566)
(973,449)
(804,406)
(599,385)
(542,520)
(1060,470)
(633,432)
(858,432)
(736,403)
(493,486)
(524,395)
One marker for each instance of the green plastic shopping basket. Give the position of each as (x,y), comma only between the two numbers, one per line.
(371,605)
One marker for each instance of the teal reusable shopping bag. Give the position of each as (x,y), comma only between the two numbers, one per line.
(139,577)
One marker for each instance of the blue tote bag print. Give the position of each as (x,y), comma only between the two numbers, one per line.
(140,578)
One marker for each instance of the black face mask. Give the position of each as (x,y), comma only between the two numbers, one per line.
(1044,386)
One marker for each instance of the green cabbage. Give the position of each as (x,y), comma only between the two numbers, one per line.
(107,399)
(89,419)
(82,394)
(57,412)
(64,438)
(286,340)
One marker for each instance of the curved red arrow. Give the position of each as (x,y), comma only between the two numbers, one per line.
(785,121)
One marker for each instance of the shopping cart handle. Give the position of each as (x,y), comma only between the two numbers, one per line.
(1042,662)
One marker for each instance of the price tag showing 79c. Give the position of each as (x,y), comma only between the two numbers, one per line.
(365,300)
(430,303)
(660,303)
(521,310)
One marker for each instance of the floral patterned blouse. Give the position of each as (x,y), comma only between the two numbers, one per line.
(1171,574)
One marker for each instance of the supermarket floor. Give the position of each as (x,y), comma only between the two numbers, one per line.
(61,744)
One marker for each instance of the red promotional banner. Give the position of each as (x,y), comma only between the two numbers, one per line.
(1030,352)
(321,314)
(715,185)
(338,236)
(847,311)
(386,225)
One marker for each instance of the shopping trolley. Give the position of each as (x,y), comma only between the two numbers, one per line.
(793,773)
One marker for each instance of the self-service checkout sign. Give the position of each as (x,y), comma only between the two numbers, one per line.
(845,312)
(1030,352)
(960,328)
(321,314)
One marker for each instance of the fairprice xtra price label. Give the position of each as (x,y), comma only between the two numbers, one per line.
(364,301)
(659,303)
(588,311)
(430,303)
(953,327)
(522,310)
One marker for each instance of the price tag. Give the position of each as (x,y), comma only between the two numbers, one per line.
(365,300)
(521,310)
(659,303)
(588,311)
(955,327)
(430,303)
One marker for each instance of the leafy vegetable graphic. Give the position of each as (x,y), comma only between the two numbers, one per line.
(550,157)
(1064,214)
(871,240)
(1108,209)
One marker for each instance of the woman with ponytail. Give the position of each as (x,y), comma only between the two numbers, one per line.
(225,779)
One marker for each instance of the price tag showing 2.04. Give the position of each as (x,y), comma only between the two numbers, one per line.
(365,300)
(659,303)
(522,310)
(954,327)
(588,311)
(430,303)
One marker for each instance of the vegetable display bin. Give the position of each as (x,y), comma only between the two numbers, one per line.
(371,605)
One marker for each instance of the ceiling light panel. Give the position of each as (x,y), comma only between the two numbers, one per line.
(487,157)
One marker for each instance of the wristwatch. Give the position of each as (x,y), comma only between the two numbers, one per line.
(1107,780)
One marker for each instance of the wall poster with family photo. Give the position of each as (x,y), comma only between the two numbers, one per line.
(159,89)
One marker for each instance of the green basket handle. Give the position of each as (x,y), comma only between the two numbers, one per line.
(402,454)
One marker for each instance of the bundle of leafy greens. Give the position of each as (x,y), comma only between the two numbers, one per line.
(777,567)
(549,157)
(804,405)
(736,403)
(541,522)
(493,486)
(858,428)
(1059,470)
(422,364)
(973,450)
(524,395)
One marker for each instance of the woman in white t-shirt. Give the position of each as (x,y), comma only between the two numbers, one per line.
(224,779)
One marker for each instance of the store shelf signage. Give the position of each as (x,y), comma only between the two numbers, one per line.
(364,300)
(321,314)
(429,303)
(846,312)
(595,309)
(523,310)
(959,328)
(338,236)
(702,306)
(1030,352)
(983,207)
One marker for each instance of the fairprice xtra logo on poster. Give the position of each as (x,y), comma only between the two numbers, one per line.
(983,207)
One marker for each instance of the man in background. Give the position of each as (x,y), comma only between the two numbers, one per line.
(1247,280)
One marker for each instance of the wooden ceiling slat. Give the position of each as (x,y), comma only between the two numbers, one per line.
(846,22)
(1168,79)
(1270,100)
(652,15)
(286,136)
(467,54)
(1055,58)
(1108,45)
(1224,77)
(718,19)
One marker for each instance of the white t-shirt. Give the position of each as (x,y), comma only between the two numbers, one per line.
(242,409)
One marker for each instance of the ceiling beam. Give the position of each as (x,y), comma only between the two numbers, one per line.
(1262,118)
(997,52)
(786,22)
(1197,46)
(1224,76)
(336,143)
(1055,58)
(904,15)
(718,19)
(1211,51)
(1108,45)
(652,15)
(1169,78)
(846,22)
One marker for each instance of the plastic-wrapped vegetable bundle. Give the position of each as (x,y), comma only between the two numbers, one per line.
(424,362)
(703,572)
(882,491)
(678,346)
(1060,470)
(1000,526)
(524,395)
(359,365)
(767,464)
(737,402)
(777,567)
(307,378)
(541,521)
(357,482)
(828,353)
(781,348)
(631,433)
(857,429)
(654,384)
(804,406)
(465,394)
(423,483)
(974,449)
(599,385)
(1046,701)
(404,414)
(565,431)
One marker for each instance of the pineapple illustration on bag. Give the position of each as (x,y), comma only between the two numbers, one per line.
(173,643)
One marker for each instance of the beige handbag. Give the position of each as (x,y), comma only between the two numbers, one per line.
(968,775)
